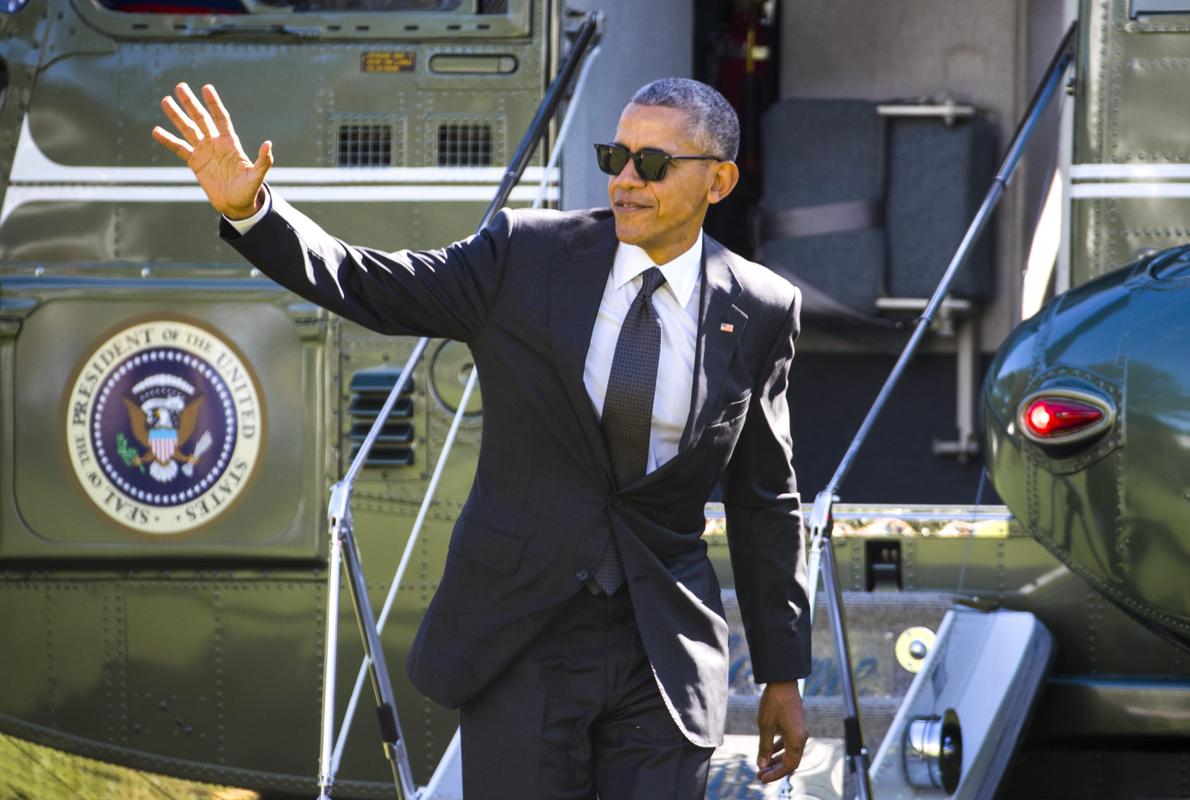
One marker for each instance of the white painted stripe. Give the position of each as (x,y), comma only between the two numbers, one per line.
(17,196)
(1083,191)
(1082,172)
(329,175)
(429,194)
(31,165)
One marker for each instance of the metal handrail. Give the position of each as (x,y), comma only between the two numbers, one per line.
(339,519)
(564,129)
(431,488)
(855,753)
(520,160)
(1040,101)
(339,507)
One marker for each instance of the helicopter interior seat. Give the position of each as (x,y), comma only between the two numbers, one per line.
(865,203)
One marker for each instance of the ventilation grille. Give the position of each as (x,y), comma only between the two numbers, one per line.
(464,145)
(369,389)
(365,146)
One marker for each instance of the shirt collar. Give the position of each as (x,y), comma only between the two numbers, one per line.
(681,274)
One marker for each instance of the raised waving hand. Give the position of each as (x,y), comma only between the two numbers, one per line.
(211,149)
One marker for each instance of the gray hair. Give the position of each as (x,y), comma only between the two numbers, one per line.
(716,125)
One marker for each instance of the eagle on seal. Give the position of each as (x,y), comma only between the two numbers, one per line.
(163,426)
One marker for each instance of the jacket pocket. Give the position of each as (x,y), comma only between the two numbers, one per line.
(489,547)
(732,411)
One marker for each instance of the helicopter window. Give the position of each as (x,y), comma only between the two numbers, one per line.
(264,6)
(175,6)
(1139,7)
(365,5)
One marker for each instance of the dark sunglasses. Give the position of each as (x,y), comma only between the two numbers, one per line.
(650,164)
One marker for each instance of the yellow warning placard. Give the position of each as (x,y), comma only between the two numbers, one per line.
(388,61)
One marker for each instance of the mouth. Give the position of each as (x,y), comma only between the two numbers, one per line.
(628,206)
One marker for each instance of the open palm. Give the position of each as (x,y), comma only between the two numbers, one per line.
(211,149)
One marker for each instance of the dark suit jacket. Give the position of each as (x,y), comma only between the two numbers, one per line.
(523,295)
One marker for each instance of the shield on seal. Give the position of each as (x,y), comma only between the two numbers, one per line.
(163,442)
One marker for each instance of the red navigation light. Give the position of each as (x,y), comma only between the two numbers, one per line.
(1058,417)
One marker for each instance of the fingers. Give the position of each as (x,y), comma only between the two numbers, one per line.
(172,143)
(264,160)
(784,762)
(218,111)
(769,766)
(792,757)
(774,773)
(196,124)
(774,761)
(780,712)
(182,122)
(765,754)
(196,112)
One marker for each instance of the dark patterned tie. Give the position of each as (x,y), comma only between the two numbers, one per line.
(628,405)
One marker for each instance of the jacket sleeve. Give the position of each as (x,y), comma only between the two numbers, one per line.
(447,292)
(764,524)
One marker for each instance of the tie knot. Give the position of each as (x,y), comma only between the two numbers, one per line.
(653,278)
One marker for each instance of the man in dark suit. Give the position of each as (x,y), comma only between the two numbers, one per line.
(628,364)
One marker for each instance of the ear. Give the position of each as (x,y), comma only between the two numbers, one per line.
(724,178)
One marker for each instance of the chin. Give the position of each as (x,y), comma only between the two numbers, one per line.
(629,233)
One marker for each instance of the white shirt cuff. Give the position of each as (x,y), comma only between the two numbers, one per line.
(242,226)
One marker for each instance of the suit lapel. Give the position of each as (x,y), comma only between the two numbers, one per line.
(720,330)
(576,290)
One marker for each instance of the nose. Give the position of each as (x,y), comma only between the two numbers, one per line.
(628,177)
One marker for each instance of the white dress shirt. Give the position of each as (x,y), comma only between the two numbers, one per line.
(242,226)
(676,303)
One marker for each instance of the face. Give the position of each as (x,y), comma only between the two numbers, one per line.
(665,217)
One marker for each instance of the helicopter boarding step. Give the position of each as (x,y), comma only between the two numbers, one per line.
(955,728)
(880,625)
(985,667)
(959,727)
(732,772)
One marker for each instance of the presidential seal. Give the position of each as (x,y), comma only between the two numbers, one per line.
(164,426)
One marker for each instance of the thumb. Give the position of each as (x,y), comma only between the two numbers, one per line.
(765,754)
(264,159)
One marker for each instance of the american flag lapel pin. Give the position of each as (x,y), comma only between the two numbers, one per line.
(726,327)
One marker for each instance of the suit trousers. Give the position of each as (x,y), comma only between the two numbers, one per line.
(578,715)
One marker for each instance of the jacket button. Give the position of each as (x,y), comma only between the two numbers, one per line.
(582,575)
(617,502)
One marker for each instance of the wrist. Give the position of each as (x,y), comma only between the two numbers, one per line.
(783,687)
(240,214)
